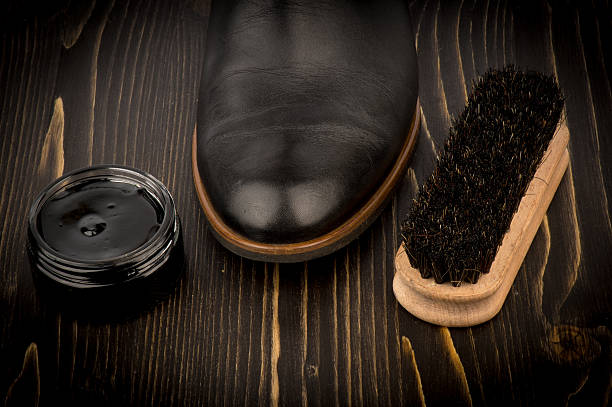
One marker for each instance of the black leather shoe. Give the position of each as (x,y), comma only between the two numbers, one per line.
(308,114)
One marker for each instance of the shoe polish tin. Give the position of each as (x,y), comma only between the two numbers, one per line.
(104,241)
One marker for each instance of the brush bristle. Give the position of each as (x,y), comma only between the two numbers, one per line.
(463,211)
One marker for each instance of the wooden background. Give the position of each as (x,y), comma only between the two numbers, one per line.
(87,82)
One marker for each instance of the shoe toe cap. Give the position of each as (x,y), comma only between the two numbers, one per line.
(274,212)
(280,189)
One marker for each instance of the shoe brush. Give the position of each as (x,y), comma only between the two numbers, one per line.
(474,219)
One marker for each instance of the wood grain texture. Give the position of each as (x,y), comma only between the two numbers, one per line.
(25,390)
(52,156)
(326,332)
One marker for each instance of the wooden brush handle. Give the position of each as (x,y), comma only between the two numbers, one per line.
(472,304)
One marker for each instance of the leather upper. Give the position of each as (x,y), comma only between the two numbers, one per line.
(303,109)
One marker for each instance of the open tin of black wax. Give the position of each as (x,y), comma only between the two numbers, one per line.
(105,242)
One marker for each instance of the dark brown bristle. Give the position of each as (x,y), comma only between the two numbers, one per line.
(494,147)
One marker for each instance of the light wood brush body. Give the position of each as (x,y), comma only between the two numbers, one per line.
(453,303)
(472,304)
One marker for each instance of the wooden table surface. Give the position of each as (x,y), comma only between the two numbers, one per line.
(117,82)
